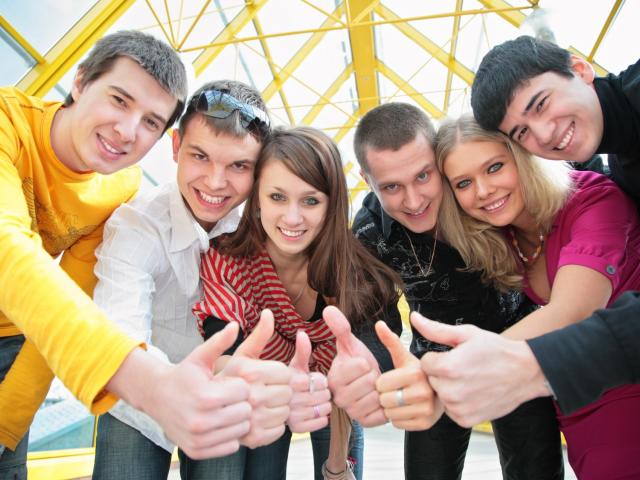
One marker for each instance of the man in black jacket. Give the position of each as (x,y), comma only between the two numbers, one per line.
(398,224)
(552,104)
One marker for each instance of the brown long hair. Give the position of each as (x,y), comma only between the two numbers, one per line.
(340,266)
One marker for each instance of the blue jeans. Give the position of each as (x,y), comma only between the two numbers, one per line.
(13,464)
(270,462)
(528,443)
(122,452)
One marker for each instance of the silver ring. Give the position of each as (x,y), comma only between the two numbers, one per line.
(316,411)
(400,397)
(312,387)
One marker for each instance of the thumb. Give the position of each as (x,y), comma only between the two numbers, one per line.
(399,355)
(440,332)
(300,360)
(207,353)
(254,344)
(339,326)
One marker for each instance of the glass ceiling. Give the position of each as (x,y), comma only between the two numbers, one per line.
(317,62)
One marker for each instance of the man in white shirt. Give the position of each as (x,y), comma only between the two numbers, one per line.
(148,272)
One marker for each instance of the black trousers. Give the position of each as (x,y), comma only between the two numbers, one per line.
(528,442)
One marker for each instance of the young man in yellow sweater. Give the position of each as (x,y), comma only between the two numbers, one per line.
(63,170)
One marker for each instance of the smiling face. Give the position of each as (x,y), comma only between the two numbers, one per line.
(557,117)
(485,181)
(114,120)
(215,170)
(292,212)
(407,183)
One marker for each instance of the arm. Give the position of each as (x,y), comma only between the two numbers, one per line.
(44,303)
(585,359)
(576,292)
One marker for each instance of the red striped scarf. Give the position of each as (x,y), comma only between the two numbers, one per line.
(238,289)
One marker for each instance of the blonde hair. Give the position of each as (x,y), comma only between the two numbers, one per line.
(545,186)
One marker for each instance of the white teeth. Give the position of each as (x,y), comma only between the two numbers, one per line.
(495,205)
(291,233)
(415,214)
(211,199)
(567,138)
(108,147)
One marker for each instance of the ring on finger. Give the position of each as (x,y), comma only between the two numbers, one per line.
(400,397)
(316,412)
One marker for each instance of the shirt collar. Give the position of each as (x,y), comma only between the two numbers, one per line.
(185,229)
(372,202)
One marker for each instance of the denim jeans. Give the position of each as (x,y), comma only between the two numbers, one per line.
(270,462)
(122,452)
(528,442)
(13,464)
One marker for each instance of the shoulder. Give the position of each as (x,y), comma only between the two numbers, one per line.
(147,210)
(593,189)
(368,222)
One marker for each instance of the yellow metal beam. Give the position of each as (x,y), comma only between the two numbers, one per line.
(274,72)
(329,93)
(605,28)
(452,55)
(478,11)
(300,55)
(72,46)
(247,14)
(403,85)
(363,54)
(438,53)
(4,23)
(514,17)
(161,25)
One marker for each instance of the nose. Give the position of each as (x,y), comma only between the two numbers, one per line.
(217,178)
(542,129)
(126,128)
(483,189)
(293,215)
(412,199)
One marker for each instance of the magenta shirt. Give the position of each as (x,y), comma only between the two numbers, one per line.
(597,228)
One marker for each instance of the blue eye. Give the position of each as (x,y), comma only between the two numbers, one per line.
(277,197)
(311,201)
(391,187)
(463,184)
(495,167)
(423,176)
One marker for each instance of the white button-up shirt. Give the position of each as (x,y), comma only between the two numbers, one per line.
(148,273)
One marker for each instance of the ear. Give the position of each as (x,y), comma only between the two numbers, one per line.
(365,177)
(582,69)
(76,86)
(175,143)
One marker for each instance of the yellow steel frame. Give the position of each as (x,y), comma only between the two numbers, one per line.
(363,52)
(612,14)
(70,48)
(4,23)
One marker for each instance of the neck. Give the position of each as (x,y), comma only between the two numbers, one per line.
(61,138)
(287,265)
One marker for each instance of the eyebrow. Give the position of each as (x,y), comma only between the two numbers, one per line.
(126,94)
(526,110)
(308,192)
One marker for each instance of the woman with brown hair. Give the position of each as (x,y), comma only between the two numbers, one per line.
(293,253)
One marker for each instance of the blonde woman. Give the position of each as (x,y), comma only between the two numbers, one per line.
(571,240)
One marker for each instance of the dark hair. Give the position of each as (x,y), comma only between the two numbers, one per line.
(157,58)
(231,125)
(340,266)
(506,68)
(390,127)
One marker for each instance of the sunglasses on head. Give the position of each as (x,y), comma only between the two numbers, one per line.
(217,104)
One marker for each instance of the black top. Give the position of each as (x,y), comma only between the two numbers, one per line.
(583,360)
(447,294)
(619,97)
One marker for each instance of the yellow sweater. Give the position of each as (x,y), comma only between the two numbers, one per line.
(47,210)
